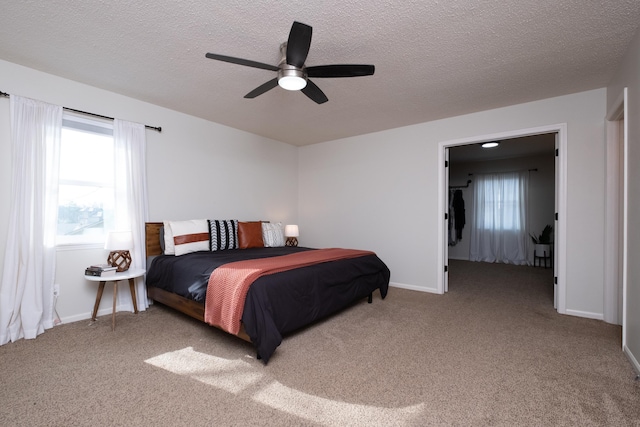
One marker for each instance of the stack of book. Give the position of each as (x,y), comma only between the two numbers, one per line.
(100,270)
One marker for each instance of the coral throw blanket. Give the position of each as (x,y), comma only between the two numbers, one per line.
(229,283)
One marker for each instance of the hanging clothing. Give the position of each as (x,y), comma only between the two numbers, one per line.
(458,214)
(451,232)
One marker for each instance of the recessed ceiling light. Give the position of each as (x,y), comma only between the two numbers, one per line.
(490,144)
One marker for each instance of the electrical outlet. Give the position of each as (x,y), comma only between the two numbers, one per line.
(56,290)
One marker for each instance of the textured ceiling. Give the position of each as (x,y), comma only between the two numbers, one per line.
(433,58)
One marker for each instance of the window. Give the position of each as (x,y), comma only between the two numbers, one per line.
(499,220)
(86,181)
(501,202)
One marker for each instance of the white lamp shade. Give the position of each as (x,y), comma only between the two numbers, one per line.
(291,231)
(119,241)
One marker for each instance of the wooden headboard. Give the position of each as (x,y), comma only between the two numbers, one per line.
(184,305)
(152,238)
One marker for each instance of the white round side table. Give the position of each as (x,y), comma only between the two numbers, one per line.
(130,275)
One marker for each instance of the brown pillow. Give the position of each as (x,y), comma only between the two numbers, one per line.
(250,235)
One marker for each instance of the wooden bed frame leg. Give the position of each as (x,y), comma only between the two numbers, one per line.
(370,299)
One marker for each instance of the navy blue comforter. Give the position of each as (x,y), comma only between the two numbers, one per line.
(280,303)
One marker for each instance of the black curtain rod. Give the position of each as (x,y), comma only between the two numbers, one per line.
(156,128)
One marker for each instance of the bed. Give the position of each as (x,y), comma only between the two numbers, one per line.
(275,303)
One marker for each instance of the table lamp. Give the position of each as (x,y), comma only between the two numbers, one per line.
(291,233)
(119,243)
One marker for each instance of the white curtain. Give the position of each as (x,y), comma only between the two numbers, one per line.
(498,226)
(131,198)
(26,290)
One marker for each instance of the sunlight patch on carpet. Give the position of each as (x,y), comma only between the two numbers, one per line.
(229,375)
(236,376)
(331,412)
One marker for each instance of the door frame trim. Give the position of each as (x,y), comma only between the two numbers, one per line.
(561,192)
(616,250)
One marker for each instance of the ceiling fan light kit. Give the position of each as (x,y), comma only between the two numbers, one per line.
(291,78)
(292,73)
(294,82)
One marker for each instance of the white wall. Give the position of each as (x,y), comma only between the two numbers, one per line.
(541,194)
(376,191)
(379,191)
(195,169)
(628,75)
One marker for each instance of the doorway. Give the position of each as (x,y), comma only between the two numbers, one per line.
(558,218)
(515,180)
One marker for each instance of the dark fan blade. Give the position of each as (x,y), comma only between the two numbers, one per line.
(241,61)
(298,44)
(342,70)
(262,88)
(314,92)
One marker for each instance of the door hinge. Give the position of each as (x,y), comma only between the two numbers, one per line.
(557,151)
(556,216)
(446,268)
(446,216)
(555,280)
(446,163)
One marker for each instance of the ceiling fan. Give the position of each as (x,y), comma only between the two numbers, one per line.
(292,73)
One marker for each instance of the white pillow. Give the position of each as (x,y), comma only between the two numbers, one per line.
(273,234)
(190,236)
(169,248)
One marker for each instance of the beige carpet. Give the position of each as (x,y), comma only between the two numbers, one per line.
(490,352)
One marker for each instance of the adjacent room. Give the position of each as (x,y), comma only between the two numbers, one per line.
(268,213)
(501,198)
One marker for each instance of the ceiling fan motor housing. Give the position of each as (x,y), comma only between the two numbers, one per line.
(290,77)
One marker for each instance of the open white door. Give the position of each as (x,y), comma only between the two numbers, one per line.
(446,220)
(555,225)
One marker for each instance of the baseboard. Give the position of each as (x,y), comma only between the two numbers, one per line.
(83,316)
(632,359)
(586,314)
(460,258)
(86,316)
(413,288)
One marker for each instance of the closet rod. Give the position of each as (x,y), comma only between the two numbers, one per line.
(521,170)
(156,128)
(454,187)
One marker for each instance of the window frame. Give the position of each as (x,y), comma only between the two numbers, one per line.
(90,125)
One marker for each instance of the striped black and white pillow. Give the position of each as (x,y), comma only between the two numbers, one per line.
(223,234)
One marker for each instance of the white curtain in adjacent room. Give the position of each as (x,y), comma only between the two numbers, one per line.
(26,290)
(498,226)
(131,198)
